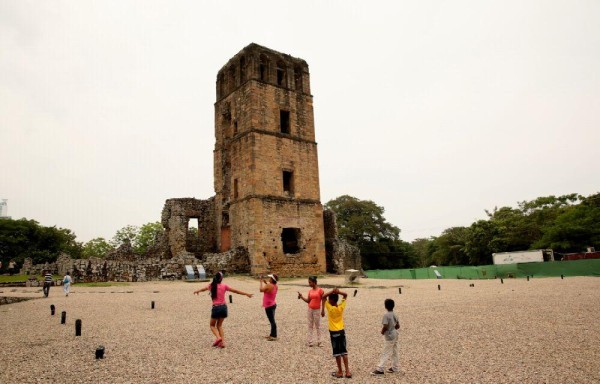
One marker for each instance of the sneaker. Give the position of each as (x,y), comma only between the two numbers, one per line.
(271,338)
(390,370)
(377,372)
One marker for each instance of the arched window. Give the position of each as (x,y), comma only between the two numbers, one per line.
(281,74)
(232,78)
(298,78)
(242,69)
(263,68)
(220,85)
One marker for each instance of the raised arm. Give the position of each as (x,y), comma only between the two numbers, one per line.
(265,286)
(197,291)
(344,294)
(239,292)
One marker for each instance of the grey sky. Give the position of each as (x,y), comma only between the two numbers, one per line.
(435,110)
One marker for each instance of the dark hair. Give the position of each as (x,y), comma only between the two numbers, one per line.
(215,281)
(274,281)
(389,304)
(313,279)
(334,297)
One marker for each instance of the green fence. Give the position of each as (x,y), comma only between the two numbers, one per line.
(548,269)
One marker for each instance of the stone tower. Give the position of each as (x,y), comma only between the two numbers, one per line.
(266,172)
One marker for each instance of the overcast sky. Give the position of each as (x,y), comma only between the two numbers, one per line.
(435,110)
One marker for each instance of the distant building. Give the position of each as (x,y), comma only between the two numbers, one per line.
(4,209)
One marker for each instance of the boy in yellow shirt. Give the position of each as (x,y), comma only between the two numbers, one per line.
(337,334)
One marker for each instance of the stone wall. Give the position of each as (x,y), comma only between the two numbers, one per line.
(176,215)
(340,254)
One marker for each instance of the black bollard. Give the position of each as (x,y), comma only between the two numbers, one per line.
(527,278)
(100,352)
(502,281)
(562,276)
(355,292)
(52,309)
(78,327)
(400,290)
(63,317)
(439,288)
(153,305)
(230,299)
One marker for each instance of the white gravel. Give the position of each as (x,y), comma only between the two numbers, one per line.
(541,331)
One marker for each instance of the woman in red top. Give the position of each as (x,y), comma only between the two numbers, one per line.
(219,308)
(269,290)
(315,294)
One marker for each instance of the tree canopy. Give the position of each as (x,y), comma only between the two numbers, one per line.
(568,223)
(24,238)
(361,223)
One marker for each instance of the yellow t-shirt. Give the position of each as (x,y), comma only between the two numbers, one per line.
(335,315)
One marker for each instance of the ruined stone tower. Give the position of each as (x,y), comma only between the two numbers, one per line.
(266,170)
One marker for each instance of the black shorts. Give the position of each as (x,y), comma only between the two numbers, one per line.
(219,311)
(338,342)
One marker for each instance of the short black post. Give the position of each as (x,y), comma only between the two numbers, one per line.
(355,291)
(52,309)
(63,317)
(502,281)
(527,278)
(400,290)
(78,327)
(562,277)
(100,352)
(153,305)
(439,288)
(230,299)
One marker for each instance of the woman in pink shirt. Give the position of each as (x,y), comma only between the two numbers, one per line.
(219,308)
(315,294)
(269,290)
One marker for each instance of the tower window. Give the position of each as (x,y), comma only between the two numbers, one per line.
(290,238)
(281,75)
(235,188)
(288,182)
(263,68)
(298,78)
(235,127)
(284,121)
(242,69)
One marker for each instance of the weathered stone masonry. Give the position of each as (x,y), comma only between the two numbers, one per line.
(266,215)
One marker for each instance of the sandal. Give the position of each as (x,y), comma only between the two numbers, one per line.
(348,375)
(335,374)
(217,342)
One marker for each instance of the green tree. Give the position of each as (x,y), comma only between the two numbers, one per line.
(24,238)
(97,247)
(575,228)
(140,238)
(128,233)
(361,222)
(147,236)
(481,242)
(423,250)
(451,247)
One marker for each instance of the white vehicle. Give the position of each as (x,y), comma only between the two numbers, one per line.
(533,256)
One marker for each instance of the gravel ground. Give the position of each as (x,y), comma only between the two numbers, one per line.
(537,331)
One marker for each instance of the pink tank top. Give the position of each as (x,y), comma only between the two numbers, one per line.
(269,297)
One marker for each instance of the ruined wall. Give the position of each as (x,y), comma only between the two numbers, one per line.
(176,215)
(340,254)
(265,220)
